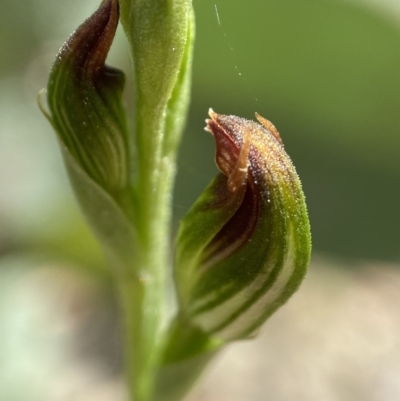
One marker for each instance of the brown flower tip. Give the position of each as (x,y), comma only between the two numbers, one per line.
(88,46)
(85,100)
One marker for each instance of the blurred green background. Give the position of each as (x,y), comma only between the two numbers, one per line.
(325,72)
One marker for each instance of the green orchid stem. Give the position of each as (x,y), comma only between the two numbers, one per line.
(161,38)
(140,325)
(143,295)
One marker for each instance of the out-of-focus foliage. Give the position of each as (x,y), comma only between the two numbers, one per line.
(326,74)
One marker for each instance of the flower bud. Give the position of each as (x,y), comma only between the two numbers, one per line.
(244,247)
(84,98)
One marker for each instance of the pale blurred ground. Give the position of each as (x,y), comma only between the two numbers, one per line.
(336,339)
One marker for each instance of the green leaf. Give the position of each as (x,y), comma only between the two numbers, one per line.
(244,247)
